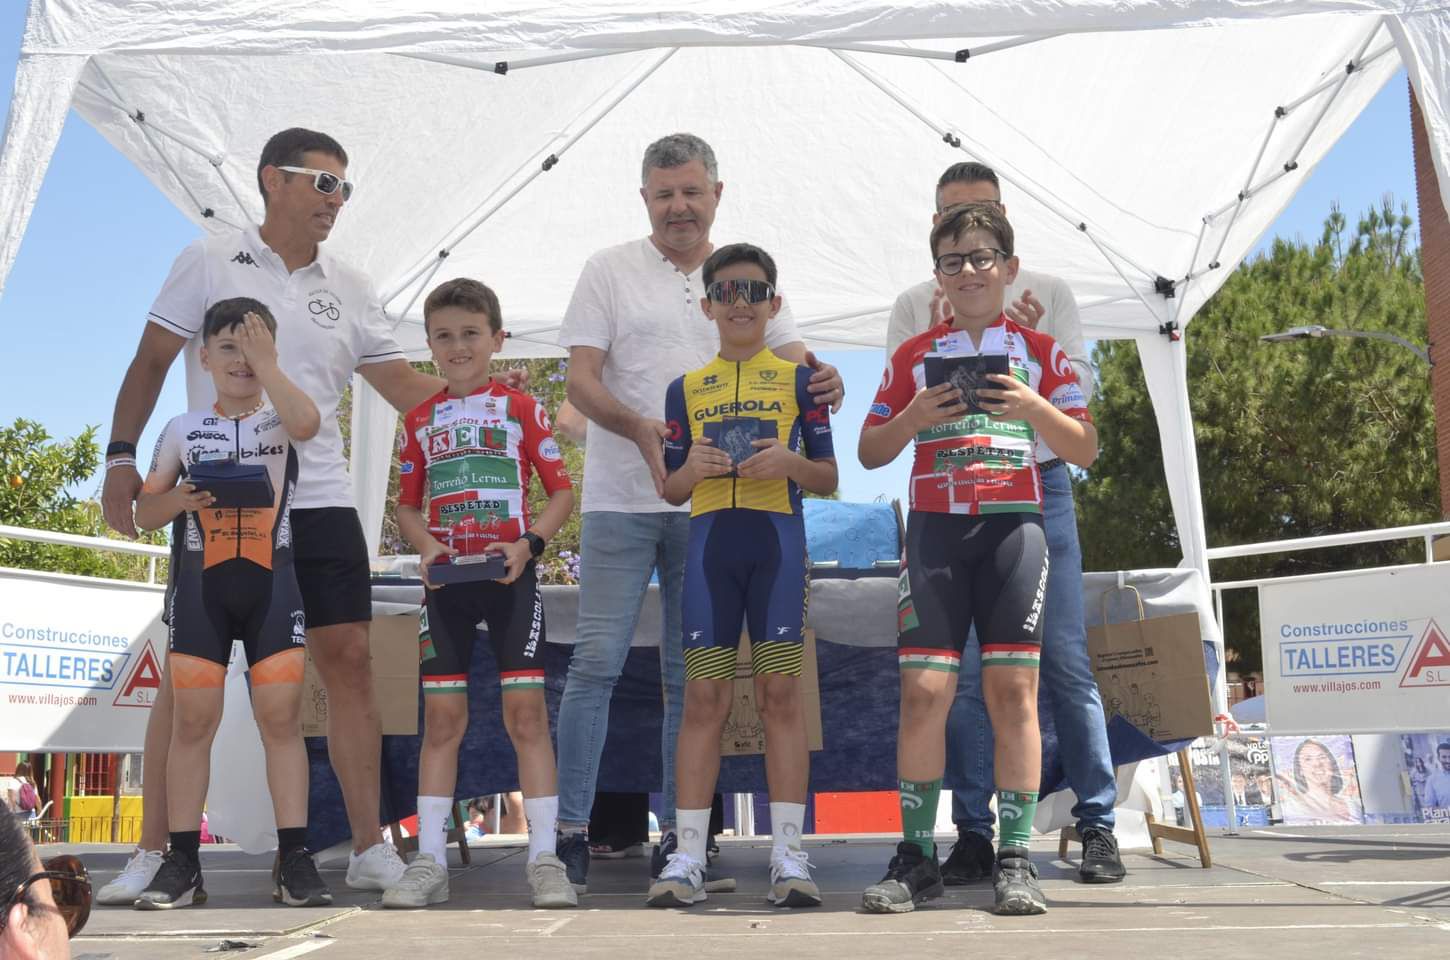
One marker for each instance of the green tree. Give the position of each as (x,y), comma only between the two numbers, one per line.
(1294,439)
(37,474)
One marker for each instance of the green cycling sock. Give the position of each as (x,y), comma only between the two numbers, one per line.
(1015,810)
(918,813)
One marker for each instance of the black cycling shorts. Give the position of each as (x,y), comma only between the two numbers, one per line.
(237,600)
(965,570)
(331,557)
(514,613)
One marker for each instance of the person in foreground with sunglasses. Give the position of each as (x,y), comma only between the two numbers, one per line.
(745,437)
(41,906)
(976,554)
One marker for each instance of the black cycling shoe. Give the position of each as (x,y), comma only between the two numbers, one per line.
(296,882)
(910,878)
(970,861)
(1100,860)
(177,883)
(1016,888)
(573,849)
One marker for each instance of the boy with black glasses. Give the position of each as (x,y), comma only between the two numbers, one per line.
(975,394)
(745,437)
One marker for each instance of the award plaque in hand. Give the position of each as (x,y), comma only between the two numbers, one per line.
(463,569)
(967,374)
(233,484)
(737,436)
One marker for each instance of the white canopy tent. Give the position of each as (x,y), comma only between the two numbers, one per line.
(1144,144)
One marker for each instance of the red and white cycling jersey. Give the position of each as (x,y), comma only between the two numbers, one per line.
(979,464)
(474,456)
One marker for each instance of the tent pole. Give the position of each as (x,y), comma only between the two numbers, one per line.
(140,120)
(490,207)
(954,56)
(1356,65)
(1004,171)
(502,67)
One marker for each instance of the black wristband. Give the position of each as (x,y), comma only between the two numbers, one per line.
(120,446)
(536,543)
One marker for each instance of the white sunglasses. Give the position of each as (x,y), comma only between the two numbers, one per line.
(326,183)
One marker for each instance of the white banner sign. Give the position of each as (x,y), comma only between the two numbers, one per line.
(1361,653)
(80,662)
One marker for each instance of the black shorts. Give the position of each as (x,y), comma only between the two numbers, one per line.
(965,570)
(238,600)
(514,613)
(331,557)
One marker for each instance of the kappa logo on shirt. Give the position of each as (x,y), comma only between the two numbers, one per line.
(245,259)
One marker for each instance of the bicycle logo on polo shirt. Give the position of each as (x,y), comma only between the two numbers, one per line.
(325,308)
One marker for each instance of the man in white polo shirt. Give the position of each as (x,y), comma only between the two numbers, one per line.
(633,325)
(1044,303)
(330,323)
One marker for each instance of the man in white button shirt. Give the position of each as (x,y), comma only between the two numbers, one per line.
(633,325)
(330,323)
(1044,303)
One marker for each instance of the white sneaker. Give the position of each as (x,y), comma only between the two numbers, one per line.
(135,877)
(377,868)
(424,882)
(680,884)
(790,879)
(550,884)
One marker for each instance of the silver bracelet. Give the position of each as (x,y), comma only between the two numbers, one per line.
(120,462)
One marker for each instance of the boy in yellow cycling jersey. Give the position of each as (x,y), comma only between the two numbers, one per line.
(745,438)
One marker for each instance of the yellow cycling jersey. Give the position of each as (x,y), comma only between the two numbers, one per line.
(734,403)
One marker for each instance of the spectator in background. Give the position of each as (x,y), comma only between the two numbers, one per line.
(27,794)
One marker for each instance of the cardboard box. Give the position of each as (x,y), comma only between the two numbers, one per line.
(1152,673)
(744,730)
(394,643)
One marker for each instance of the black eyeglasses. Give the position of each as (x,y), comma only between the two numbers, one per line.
(70,886)
(982,259)
(728,291)
(326,183)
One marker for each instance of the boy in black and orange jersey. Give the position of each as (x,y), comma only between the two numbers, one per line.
(745,438)
(234,580)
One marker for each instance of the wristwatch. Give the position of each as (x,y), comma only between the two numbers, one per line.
(120,447)
(536,543)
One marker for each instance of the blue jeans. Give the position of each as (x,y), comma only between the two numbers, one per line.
(617,554)
(1066,677)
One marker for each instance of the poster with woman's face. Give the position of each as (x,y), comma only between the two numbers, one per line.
(1316,780)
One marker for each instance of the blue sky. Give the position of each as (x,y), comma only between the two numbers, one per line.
(101,240)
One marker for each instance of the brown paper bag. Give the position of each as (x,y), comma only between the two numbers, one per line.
(744,731)
(1151,672)
(394,644)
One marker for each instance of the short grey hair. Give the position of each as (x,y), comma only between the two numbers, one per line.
(676,150)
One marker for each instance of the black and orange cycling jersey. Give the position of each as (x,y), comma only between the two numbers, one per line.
(233,576)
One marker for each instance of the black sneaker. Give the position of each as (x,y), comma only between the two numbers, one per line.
(910,878)
(670,844)
(177,884)
(970,861)
(573,849)
(1015,885)
(1100,860)
(296,882)
(660,855)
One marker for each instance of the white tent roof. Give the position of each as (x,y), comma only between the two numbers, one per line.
(1139,139)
